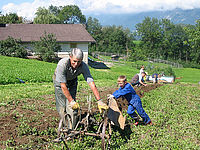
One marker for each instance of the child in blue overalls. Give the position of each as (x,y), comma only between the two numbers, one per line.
(134,102)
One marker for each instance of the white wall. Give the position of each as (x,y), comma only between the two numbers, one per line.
(66,49)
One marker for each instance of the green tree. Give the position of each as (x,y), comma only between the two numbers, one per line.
(12,47)
(151,34)
(188,30)
(55,10)
(177,38)
(163,39)
(113,39)
(47,48)
(11,18)
(94,27)
(137,54)
(166,50)
(129,40)
(71,14)
(44,16)
(194,42)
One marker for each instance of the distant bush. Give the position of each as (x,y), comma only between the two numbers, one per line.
(167,71)
(47,46)
(137,54)
(190,65)
(12,47)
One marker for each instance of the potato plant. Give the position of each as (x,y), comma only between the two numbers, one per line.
(29,119)
(27,70)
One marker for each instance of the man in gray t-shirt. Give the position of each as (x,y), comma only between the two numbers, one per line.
(65,83)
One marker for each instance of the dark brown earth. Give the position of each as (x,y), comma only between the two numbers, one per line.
(23,121)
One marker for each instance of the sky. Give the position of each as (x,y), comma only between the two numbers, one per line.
(27,8)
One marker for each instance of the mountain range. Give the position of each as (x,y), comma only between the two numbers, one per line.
(177,16)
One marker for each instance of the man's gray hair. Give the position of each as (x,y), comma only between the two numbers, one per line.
(78,53)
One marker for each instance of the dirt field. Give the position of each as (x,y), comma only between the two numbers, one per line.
(17,121)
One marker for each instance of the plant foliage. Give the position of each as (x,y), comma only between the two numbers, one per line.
(69,14)
(10,18)
(47,48)
(167,71)
(12,47)
(166,40)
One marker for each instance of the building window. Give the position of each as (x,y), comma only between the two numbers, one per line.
(73,45)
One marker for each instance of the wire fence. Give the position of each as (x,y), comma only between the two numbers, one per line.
(108,54)
(173,64)
(114,57)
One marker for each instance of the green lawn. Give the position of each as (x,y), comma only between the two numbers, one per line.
(33,71)
(173,108)
(189,75)
(25,69)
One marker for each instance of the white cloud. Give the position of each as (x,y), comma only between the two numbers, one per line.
(102,6)
(134,6)
(28,10)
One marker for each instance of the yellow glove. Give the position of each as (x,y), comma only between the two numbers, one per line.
(101,105)
(74,105)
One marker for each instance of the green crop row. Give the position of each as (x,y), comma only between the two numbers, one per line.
(188,75)
(31,71)
(25,69)
(173,109)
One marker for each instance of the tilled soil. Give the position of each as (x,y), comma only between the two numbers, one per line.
(23,122)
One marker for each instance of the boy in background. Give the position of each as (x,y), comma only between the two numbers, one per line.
(142,69)
(138,79)
(134,102)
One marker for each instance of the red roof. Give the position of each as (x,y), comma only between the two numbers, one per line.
(33,32)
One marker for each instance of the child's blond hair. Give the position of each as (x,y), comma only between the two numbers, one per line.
(122,78)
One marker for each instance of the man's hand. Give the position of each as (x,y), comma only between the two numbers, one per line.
(74,105)
(101,105)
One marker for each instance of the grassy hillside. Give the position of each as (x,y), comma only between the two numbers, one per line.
(28,116)
(189,75)
(25,69)
(33,71)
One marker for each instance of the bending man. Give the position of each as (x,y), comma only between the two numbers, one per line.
(65,83)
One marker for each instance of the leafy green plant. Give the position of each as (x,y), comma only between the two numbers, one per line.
(167,71)
(27,70)
(10,142)
(12,47)
(33,71)
(46,47)
(171,108)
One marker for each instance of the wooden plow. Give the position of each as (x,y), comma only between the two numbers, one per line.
(88,125)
